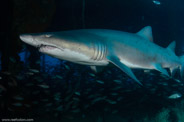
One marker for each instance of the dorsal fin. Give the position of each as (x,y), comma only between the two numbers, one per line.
(146,32)
(172,46)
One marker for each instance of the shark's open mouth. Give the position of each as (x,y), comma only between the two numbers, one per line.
(43,48)
(47,46)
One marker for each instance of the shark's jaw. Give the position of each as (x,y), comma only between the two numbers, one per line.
(44,47)
(51,50)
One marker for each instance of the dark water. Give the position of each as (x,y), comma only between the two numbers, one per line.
(41,88)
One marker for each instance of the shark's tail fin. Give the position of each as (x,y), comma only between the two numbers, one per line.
(182,67)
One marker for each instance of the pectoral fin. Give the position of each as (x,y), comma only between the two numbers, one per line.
(162,70)
(115,60)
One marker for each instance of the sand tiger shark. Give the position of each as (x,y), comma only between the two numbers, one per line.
(99,47)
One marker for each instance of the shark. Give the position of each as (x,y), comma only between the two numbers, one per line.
(100,47)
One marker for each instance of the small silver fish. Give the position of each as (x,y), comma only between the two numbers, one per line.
(44,86)
(68,105)
(146,71)
(114,94)
(76,110)
(29,73)
(76,99)
(59,77)
(93,96)
(117,81)
(99,81)
(39,79)
(156,2)
(67,67)
(17,104)
(98,99)
(163,83)
(27,105)
(9,109)
(86,106)
(38,62)
(111,102)
(12,84)
(119,98)
(57,98)
(175,96)
(44,100)
(3,88)
(6,73)
(177,80)
(12,59)
(57,94)
(164,76)
(83,115)
(35,102)
(91,74)
(34,70)
(18,98)
(36,92)
(49,104)
(77,93)
(20,77)
(116,88)
(29,84)
(115,111)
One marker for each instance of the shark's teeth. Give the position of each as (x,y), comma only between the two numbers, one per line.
(47,46)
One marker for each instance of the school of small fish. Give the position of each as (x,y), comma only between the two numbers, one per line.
(58,94)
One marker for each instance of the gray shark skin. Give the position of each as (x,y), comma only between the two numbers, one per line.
(99,47)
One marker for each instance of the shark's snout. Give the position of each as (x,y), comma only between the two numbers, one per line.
(27,38)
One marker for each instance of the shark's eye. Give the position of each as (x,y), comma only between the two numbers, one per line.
(48,35)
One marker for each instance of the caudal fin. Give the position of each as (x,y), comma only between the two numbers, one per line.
(182,67)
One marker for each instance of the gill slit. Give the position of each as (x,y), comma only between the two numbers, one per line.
(100,51)
(95,51)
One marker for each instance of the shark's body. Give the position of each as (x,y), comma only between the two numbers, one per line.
(98,47)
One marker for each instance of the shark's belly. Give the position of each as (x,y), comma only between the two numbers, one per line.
(93,62)
(136,56)
(138,60)
(136,65)
(82,58)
